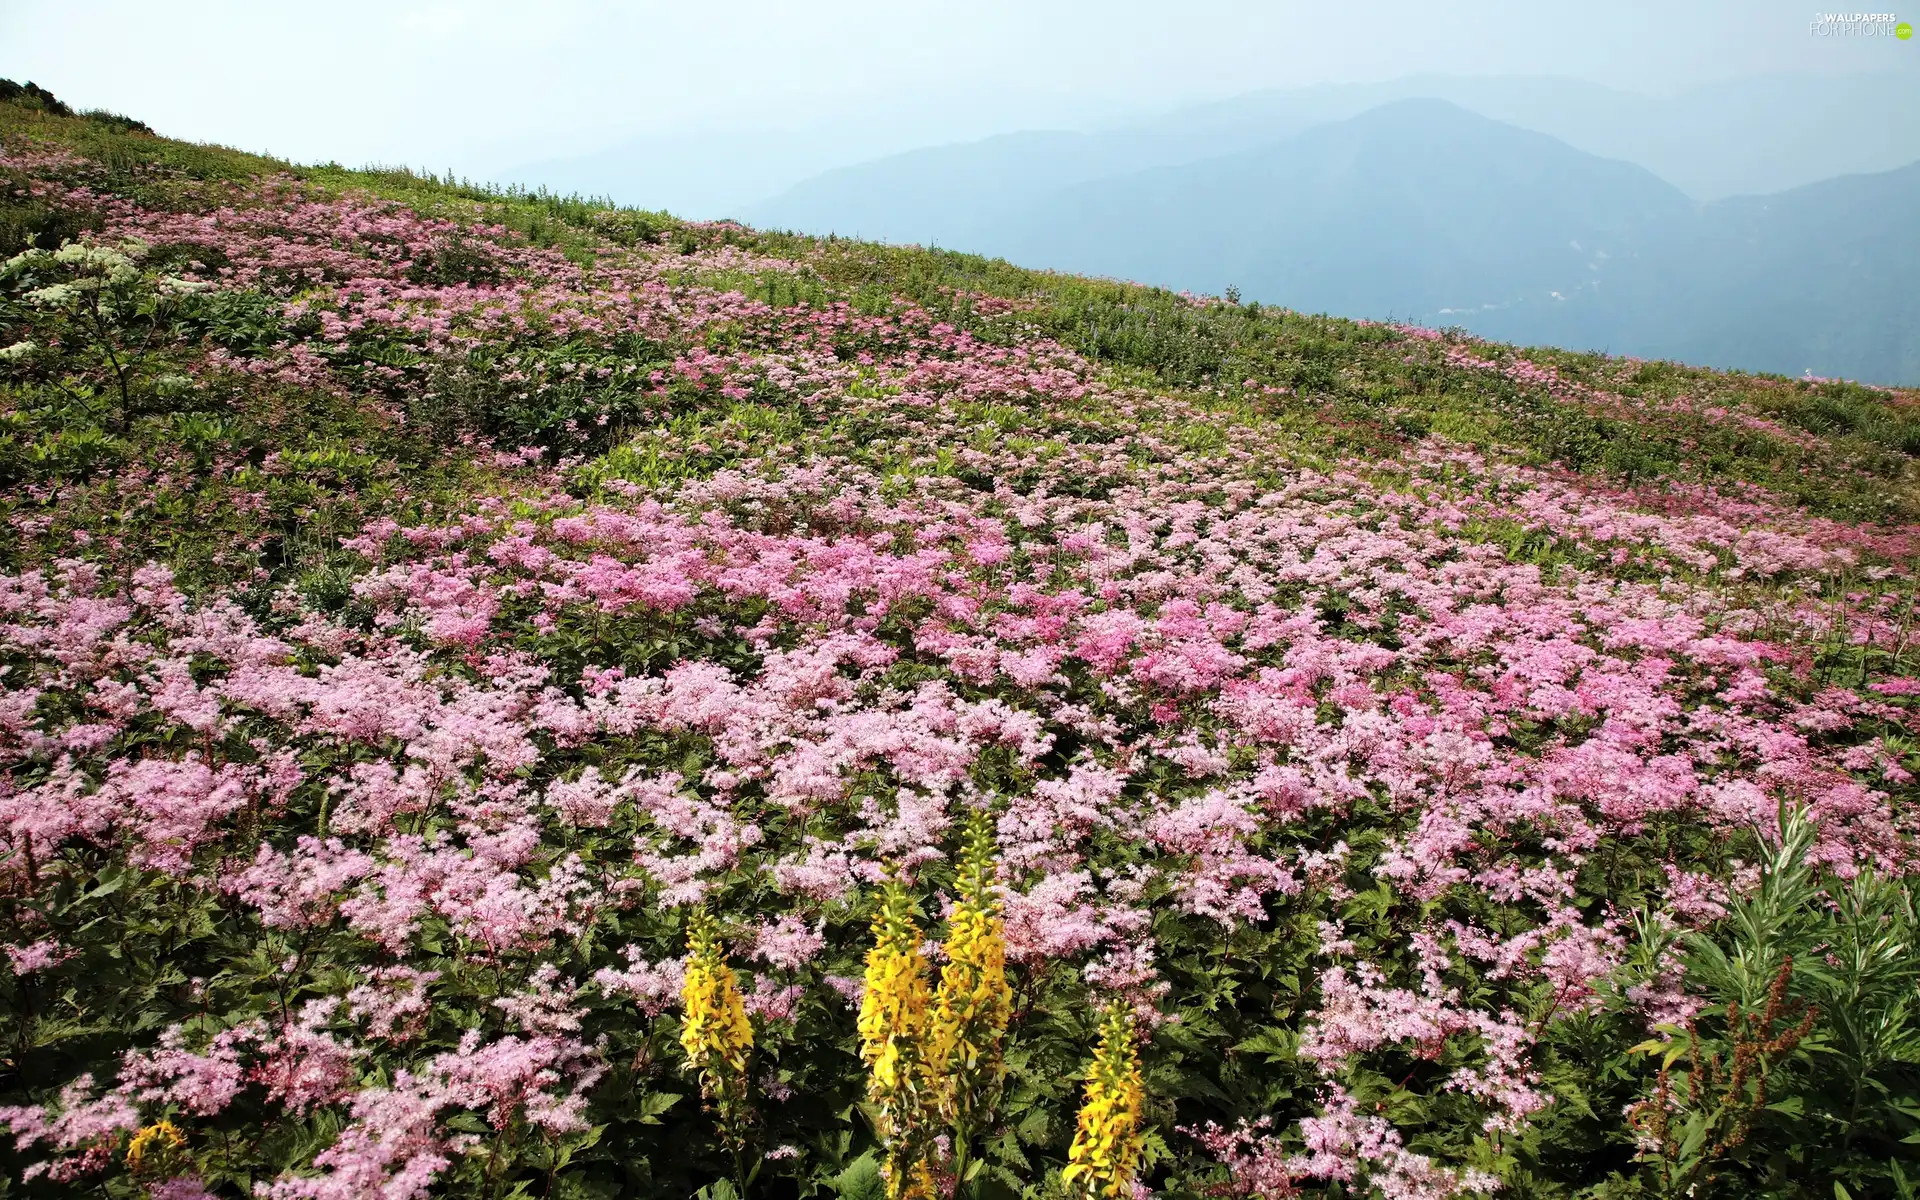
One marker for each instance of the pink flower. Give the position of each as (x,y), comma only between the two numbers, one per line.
(204,1082)
(303,1066)
(302,889)
(788,943)
(79,1121)
(654,986)
(42,955)
(393,1003)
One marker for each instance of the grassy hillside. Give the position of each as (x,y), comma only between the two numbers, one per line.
(502,695)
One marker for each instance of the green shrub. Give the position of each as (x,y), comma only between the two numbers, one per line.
(1805,1062)
(32,95)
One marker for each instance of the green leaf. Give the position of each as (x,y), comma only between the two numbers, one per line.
(1032,1128)
(860,1179)
(1276,1042)
(654,1103)
(111,882)
(587,1140)
(993,1188)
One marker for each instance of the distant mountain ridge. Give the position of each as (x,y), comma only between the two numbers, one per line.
(1744,136)
(1370,216)
(1425,211)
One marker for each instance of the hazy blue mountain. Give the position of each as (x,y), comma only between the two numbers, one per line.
(941,194)
(1751,135)
(1418,209)
(935,195)
(1822,278)
(1570,109)
(718,167)
(1422,211)
(1527,210)
(868,174)
(1745,136)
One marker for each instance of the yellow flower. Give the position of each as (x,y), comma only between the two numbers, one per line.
(919,1183)
(1105,1153)
(893,1027)
(714,1029)
(161,1142)
(973,1003)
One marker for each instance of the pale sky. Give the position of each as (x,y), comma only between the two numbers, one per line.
(483,84)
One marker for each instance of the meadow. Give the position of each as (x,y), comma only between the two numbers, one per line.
(505,695)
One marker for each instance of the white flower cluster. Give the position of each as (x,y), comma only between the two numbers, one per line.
(93,268)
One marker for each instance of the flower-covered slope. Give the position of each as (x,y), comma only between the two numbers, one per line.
(419,602)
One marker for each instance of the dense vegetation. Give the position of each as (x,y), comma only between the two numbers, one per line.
(497,686)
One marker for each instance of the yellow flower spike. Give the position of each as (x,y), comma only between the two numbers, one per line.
(973,1004)
(714,1030)
(1105,1154)
(893,1029)
(919,1183)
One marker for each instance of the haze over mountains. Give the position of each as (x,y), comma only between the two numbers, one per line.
(1745,136)
(1763,223)
(1424,212)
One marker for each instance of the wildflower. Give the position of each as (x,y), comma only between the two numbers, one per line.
(42,955)
(53,295)
(1107,1142)
(973,1002)
(894,1020)
(155,1148)
(714,1030)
